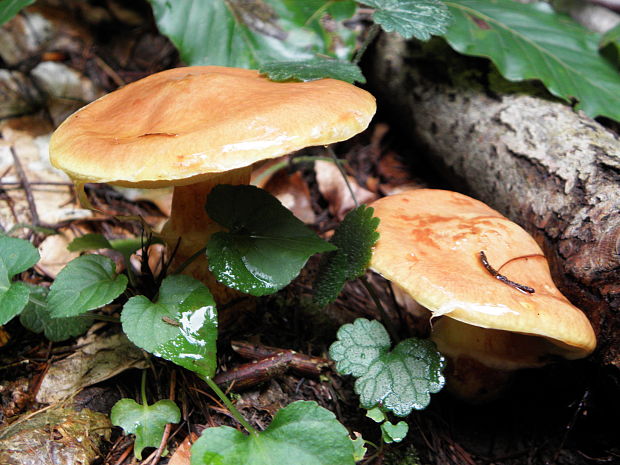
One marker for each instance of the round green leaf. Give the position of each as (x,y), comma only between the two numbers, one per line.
(359,344)
(266,245)
(147,422)
(180,326)
(399,380)
(394,432)
(86,283)
(12,301)
(301,433)
(17,255)
(37,319)
(402,379)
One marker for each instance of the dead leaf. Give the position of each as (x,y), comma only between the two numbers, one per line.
(182,455)
(97,359)
(52,190)
(333,187)
(54,253)
(294,194)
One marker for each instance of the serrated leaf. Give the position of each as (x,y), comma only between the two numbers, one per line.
(9,8)
(411,18)
(147,422)
(266,245)
(86,283)
(310,70)
(354,237)
(180,326)
(36,318)
(301,433)
(398,380)
(16,256)
(522,41)
(245,34)
(394,432)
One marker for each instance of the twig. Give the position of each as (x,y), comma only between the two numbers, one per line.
(344,175)
(250,374)
(24,182)
(124,455)
(302,363)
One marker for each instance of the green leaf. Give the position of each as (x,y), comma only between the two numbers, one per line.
(411,18)
(266,245)
(531,41)
(376,414)
(310,70)
(245,34)
(16,256)
(399,380)
(180,326)
(609,45)
(9,8)
(88,242)
(126,247)
(36,317)
(301,433)
(147,422)
(354,237)
(86,283)
(394,432)
(359,448)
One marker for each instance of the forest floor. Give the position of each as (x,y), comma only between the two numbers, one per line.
(566,413)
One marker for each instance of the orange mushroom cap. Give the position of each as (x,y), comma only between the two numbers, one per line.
(181,125)
(430,243)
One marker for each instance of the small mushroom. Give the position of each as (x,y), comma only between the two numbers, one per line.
(486,278)
(196,127)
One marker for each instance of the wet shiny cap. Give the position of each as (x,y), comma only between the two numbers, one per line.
(430,246)
(180,126)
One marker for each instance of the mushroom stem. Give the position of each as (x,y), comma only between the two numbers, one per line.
(190,224)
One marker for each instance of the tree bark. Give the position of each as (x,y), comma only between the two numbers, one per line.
(554,171)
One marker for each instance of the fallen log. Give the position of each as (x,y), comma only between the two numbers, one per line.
(554,171)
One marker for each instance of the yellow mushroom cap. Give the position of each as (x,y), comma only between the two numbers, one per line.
(430,243)
(181,125)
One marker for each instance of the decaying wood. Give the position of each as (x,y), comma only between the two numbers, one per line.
(554,171)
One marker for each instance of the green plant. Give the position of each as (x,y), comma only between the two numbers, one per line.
(179,323)
(520,39)
(9,8)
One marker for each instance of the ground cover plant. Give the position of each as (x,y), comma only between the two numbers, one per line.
(174,317)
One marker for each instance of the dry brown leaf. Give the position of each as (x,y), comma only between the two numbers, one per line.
(333,187)
(182,455)
(98,358)
(28,137)
(54,253)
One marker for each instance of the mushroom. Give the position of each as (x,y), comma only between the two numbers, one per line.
(196,127)
(486,278)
